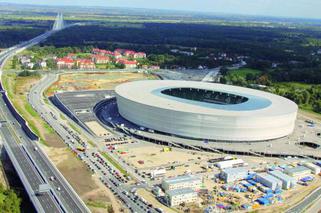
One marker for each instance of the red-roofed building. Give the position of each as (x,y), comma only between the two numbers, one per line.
(96,51)
(85,64)
(129,53)
(121,51)
(128,64)
(100,59)
(140,55)
(65,63)
(117,55)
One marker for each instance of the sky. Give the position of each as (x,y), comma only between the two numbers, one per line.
(280,8)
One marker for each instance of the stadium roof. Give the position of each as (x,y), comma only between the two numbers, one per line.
(258,102)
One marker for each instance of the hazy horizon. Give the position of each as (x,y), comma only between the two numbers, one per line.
(285,8)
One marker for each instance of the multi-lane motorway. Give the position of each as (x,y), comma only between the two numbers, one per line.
(47,188)
(91,157)
(46,201)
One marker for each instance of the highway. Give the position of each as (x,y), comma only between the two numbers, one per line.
(13,139)
(91,156)
(306,202)
(59,23)
(211,75)
(33,166)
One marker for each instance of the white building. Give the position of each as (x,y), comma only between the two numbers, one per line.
(178,196)
(43,64)
(230,163)
(268,180)
(30,65)
(180,182)
(314,168)
(234,174)
(287,181)
(157,173)
(298,172)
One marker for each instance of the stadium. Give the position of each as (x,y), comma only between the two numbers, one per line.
(206,111)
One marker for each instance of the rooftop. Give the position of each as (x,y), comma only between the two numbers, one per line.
(65,60)
(281,175)
(181,179)
(268,177)
(297,169)
(235,170)
(258,102)
(180,191)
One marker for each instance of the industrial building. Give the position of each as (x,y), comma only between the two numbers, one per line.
(177,196)
(230,163)
(287,181)
(206,111)
(234,174)
(268,180)
(180,182)
(314,168)
(298,172)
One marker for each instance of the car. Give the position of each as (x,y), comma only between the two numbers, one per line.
(58,188)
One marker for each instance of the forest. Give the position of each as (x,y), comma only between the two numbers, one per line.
(287,54)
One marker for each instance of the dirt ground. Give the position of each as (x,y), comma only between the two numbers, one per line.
(310,115)
(97,128)
(297,194)
(102,194)
(80,178)
(184,160)
(95,81)
(193,161)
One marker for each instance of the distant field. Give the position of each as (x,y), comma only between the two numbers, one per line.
(243,72)
(297,85)
(95,81)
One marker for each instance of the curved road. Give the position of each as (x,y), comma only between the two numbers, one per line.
(62,194)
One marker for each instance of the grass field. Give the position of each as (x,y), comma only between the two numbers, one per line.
(286,86)
(17,89)
(296,85)
(243,72)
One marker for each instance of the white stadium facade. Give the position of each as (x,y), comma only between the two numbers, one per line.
(206,111)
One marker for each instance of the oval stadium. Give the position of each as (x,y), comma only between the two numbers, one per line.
(206,111)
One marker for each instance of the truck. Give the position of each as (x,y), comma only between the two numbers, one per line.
(81,149)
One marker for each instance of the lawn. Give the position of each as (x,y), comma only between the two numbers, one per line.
(296,85)
(243,72)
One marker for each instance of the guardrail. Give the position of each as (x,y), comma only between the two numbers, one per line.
(23,123)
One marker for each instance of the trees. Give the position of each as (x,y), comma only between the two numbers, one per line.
(14,62)
(10,202)
(27,73)
(317,106)
(223,70)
